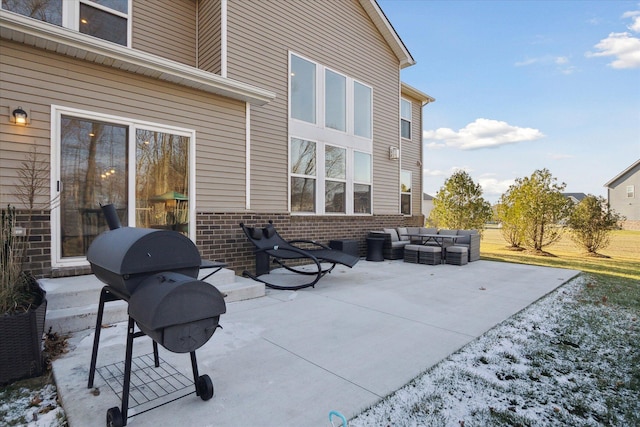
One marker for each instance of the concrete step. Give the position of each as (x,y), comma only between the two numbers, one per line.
(72,302)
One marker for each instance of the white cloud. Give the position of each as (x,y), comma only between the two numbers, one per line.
(483,133)
(624,47)
(559,156)
(562,62)
(493,188)
(528,61)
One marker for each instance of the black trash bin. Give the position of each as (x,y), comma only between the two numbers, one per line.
(374,249)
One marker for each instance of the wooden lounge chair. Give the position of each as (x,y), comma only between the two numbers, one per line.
(269,244)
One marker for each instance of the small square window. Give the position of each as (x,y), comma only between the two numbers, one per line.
(631,193)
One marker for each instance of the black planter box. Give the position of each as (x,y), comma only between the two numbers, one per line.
(21,344)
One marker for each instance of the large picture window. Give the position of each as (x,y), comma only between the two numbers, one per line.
(105,19)
(331,129)
(143,170)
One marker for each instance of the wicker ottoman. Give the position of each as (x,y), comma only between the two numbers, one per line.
(457,255)
(411,253)
(430,255)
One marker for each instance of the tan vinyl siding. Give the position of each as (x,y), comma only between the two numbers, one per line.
(412,155)
(36,80)
(166,28)
(209,42)
(337,34)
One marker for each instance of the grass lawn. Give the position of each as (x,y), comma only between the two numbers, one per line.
(623,253)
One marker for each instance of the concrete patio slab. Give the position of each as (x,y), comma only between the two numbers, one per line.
(289,358)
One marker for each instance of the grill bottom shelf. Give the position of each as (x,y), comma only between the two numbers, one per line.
(150,386)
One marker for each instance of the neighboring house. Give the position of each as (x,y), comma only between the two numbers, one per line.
(427,204)
(623,197)
(575,197)
(197,115)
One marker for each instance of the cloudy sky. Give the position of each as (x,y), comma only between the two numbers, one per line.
(525,85)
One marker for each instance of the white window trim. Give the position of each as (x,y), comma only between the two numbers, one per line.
(71,15)
(57,112)
(631,194)
(410,119)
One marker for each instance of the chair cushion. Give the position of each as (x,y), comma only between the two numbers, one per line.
(255,233)
(392,232)
(269,232)
(401,231)
(400,243)
(448,232)
(424,230)
(413,230)
(466,239)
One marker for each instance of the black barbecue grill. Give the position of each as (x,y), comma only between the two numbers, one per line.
(156,272)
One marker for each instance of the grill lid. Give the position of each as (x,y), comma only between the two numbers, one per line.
(131,250)
(167,299)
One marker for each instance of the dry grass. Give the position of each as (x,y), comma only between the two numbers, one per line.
(622,255)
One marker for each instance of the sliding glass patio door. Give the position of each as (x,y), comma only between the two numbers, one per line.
(143,170)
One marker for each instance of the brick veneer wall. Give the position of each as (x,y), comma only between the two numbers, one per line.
(37,226)
(219,236)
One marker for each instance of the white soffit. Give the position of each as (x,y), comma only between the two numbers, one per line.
(63,41)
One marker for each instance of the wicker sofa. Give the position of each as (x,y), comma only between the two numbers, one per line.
(395,240)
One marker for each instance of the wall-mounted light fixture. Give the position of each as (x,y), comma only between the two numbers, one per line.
(394,153)
(19,116)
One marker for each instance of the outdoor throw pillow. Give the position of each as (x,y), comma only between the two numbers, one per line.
(392,231)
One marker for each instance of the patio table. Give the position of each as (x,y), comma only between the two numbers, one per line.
(437,238)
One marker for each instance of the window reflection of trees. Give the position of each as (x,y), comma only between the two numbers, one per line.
(303,162)
(93,172)
(162,178)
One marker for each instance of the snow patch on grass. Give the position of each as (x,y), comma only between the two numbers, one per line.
(561,361)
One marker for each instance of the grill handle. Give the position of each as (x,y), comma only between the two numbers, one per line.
(111,216)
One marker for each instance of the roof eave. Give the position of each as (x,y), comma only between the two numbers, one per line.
(63,41)
(417,94)
(388,32)
(617,177)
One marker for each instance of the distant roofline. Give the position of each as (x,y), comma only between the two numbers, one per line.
(617,177)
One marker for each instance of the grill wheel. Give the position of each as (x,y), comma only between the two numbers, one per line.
(114,417)
(204,387)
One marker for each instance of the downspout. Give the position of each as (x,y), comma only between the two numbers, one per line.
(223,38)
(247,121)
(198,34)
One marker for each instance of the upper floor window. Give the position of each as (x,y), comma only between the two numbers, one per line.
(405,118)
(105,19)
(329,100)
(631,193)
(335,105)
(303,89)
(362,108)
(405,192)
